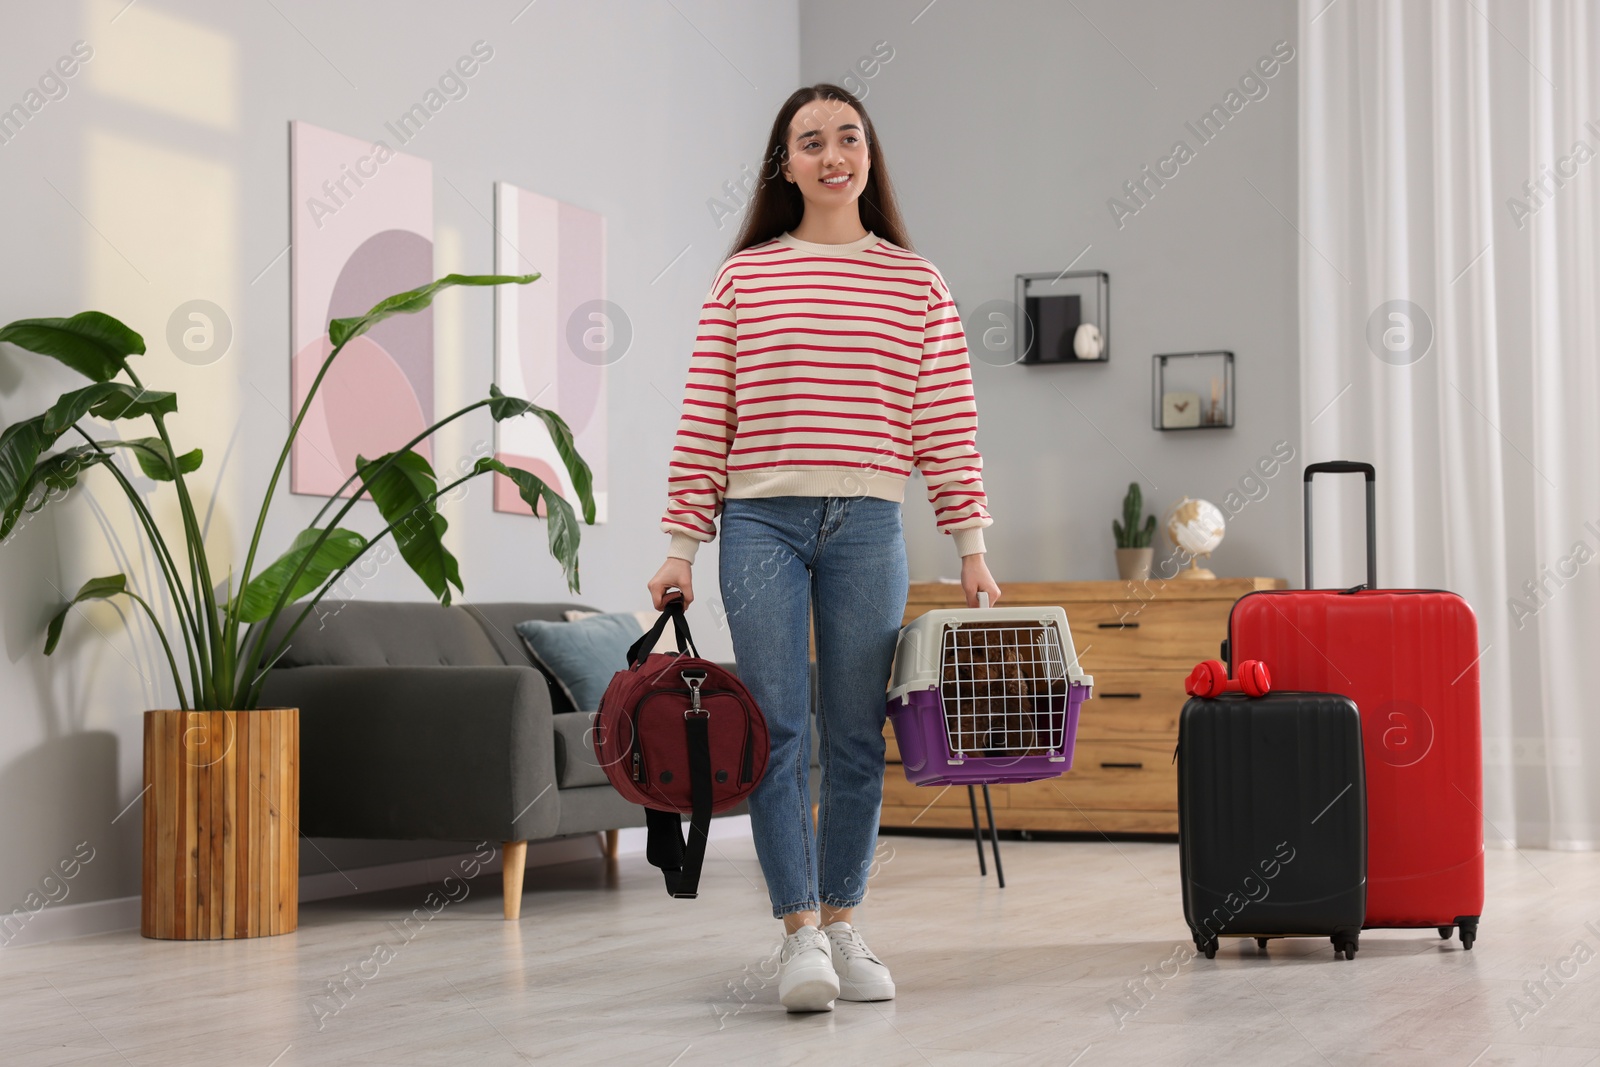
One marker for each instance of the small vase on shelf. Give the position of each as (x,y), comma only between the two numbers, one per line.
(1133,564)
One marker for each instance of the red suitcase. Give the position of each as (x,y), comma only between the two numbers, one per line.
(1409,660)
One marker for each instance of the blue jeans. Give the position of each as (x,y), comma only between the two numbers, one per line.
(845,559)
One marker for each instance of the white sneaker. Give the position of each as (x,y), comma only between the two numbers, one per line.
(862,976)
(806,979)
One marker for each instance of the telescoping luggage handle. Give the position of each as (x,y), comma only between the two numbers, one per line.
(674,611)
(1345,466)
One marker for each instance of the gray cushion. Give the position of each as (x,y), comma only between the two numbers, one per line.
(576,764)
(499,624)
(582,656)
(376,633)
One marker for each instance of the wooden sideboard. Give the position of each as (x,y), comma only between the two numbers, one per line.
(1139,640)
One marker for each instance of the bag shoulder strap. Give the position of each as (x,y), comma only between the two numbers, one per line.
(681,864)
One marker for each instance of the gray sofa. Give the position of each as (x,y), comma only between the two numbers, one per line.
(422,722)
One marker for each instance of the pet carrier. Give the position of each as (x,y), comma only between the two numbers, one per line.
(986,695)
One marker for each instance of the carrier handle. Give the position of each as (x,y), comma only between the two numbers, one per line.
(1345,466)
(983,598)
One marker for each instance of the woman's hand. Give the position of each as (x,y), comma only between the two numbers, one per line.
(675,573)
(975,577)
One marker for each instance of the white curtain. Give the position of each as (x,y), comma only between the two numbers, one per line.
(1449,263)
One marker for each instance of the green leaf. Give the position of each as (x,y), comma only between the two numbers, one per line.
(21,445)
(564,528)
(258,598)
(61,470)
(93,589)
(342,330)
(91,342)
(107,400)
(504,407)
(402,491)
(156,460)
(58,472)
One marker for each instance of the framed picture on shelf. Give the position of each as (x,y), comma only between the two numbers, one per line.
(1192,391)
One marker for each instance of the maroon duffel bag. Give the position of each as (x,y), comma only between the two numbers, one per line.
(679,735)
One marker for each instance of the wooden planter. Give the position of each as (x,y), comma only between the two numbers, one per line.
(221,812)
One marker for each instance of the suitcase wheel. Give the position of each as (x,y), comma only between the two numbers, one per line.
(1261,942)
(1446,931)
(1209,948)
(1468,927)
(1345,942)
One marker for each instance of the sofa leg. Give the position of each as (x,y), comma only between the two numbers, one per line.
(611,844)
(514,859)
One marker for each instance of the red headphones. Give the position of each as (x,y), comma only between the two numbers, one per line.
(1210,678)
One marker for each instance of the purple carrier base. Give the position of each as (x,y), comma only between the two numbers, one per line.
(919,731)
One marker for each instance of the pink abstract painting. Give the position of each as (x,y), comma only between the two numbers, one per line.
(361,229)
(554,339)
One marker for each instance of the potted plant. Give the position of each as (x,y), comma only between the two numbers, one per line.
(1133,535)
(223,628)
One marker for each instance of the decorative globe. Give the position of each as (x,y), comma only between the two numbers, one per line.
(1196,526)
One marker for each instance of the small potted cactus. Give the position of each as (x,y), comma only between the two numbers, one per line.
(1133,534)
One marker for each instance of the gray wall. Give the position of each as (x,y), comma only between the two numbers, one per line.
(1007,127)
(161,176)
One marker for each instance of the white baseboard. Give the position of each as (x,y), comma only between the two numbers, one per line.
(57,923)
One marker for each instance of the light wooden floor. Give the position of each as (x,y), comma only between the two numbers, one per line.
(606,968)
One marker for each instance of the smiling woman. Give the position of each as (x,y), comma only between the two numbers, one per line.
(829,150)
(831,360)
(829,364)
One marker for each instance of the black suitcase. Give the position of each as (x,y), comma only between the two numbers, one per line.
(1272,819)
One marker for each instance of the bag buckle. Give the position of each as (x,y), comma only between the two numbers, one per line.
(695,677)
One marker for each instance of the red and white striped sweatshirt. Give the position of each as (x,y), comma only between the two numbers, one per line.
(827,370)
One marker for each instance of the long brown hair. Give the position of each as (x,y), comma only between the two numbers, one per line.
(778,204)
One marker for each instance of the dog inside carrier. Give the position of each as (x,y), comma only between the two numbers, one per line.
(1004,689)
(986,695)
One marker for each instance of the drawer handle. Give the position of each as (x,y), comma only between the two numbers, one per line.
(1120,696)
(1118,625)
(1124,766)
